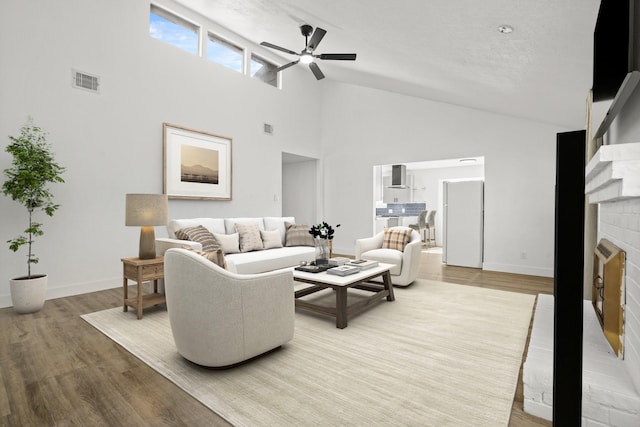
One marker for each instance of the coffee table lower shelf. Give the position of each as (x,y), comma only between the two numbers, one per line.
(342,311)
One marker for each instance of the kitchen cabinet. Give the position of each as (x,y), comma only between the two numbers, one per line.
(394,221)
(381,224)
(396,195)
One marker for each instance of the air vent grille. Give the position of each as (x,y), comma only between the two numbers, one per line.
(81,80)
(267,128)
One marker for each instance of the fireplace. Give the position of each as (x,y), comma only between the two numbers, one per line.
(608,293)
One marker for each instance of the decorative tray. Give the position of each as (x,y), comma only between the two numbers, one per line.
(311,268)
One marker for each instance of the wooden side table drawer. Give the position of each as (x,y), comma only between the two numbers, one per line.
(130,271)
(155,271)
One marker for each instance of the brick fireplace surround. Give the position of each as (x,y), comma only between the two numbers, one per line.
(611,386)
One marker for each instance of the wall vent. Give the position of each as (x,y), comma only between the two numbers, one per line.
(267,128)
(85,81)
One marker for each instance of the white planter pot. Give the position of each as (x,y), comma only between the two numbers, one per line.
(28,295)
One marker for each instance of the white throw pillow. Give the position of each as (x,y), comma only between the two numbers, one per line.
(229,243)
(250,238)
(277,223)
(230,223)
(271,239)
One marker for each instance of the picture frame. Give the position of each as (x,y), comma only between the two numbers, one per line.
(197,164)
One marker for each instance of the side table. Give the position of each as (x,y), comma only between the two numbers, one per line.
(142,270)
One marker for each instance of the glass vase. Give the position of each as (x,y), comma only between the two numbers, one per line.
(322,251)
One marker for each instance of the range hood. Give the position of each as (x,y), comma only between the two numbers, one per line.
(398,176)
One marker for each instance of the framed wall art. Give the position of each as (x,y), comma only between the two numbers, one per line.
(197,165)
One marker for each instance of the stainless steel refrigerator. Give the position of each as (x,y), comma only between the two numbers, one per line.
(463,223)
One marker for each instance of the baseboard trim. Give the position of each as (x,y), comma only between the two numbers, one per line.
(70,290)
(518,269)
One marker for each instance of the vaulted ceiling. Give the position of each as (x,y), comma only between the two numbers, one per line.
(444,50)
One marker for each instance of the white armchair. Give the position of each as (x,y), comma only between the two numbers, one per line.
(406,263)
(219,318)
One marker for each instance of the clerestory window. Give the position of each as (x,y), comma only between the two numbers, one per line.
(225,53)
(264,70)
(184,34)
(174,30)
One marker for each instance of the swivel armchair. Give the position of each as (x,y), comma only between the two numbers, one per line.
(218,318)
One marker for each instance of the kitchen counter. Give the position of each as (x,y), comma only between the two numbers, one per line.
(394,221)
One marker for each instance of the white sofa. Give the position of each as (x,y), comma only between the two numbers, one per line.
(218,318)
(242,262)
(406,263)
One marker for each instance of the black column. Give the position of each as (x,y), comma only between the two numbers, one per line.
(568,279)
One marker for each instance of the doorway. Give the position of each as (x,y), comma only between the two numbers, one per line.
(299,187)
(424,181)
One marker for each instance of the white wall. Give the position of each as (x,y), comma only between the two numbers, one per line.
(364,127)
(111,143)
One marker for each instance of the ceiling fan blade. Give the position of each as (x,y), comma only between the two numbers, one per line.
(338,56)
(285,66)
(282,49)
(317,36)
(316,71)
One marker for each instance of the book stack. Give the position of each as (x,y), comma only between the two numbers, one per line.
(338,261)
(364,264)
(343,270)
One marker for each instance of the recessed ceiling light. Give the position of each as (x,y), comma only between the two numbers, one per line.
(505,29)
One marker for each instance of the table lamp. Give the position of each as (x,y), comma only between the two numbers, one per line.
(146,211)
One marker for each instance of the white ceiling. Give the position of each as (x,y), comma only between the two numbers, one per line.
(444,50)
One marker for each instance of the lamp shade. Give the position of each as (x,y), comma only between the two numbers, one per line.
(146,209)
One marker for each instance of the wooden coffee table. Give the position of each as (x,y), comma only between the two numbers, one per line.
(340,284)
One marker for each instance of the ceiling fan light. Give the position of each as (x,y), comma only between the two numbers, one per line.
(306,58)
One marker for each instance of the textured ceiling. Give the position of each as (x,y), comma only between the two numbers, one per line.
(444,50)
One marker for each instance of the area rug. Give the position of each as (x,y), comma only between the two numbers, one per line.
(440,355)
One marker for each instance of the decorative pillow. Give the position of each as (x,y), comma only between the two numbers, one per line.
(201,235)
(216,257)
(250,239)
(298,235)
(271,239)
(278,223)
(229,243)
(396,238)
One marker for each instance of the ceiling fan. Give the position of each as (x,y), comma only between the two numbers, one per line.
(306,55)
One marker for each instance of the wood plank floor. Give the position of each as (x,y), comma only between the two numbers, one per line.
(56,369)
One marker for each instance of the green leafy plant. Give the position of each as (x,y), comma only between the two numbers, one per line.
(32,169)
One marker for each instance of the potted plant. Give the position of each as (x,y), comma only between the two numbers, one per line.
(33,168)
(323,235)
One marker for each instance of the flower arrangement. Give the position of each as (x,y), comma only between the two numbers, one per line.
(322,231)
